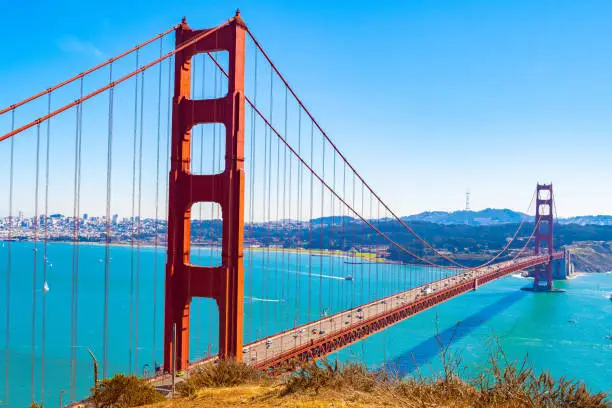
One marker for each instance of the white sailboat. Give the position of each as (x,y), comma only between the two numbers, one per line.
(46,287)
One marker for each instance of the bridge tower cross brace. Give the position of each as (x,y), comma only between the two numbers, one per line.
(544,234)
(224,283)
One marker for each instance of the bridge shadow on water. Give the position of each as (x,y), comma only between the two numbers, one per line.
(419,355)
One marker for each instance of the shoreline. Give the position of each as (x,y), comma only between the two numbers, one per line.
(360,258)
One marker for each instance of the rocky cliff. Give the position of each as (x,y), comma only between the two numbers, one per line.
(591,256)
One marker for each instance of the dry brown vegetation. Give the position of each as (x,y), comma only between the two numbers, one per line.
(504,384)
(227,373)
(123,391)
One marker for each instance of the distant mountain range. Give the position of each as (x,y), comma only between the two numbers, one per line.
(491,216)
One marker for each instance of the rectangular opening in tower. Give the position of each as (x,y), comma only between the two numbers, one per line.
(206,234)
(544,209)
(204,333)
(544,194)
(208,148)
(208,80)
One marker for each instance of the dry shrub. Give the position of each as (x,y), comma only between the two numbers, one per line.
(223,373)
(323,375)
(122,391)
(505,381)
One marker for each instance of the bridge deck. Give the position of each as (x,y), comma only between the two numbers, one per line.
(331,333)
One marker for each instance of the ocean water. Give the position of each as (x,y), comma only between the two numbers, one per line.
(564,332)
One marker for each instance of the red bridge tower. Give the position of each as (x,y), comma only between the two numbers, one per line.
(544,235)
(224,283)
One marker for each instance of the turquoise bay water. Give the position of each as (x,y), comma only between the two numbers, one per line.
(565,333)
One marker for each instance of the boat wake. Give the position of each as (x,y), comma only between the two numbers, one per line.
(318,275)
(256,299)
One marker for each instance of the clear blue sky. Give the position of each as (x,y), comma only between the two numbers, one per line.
(426,98)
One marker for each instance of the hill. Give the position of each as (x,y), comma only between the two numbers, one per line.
(492,216)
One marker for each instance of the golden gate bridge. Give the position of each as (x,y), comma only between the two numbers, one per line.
(210,119)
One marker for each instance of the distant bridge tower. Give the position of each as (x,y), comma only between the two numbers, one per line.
(544,235)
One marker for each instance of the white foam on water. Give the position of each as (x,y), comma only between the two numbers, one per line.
(256,299)
(318,275)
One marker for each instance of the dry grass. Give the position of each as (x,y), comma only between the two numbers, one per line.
(226,373)
(123,391)
(327,384)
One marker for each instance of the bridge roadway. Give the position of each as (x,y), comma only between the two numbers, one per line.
(314,340)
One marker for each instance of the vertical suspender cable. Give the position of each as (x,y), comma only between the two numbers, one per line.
(109,157)
(285,291)
(343,227)
(276,251)
(373,245)
(8,267)
(43,331)
(354,253)
(299,215)
(139,223)
(156,225)
(263,216)
(219,159)
(310,223)
(363,245)
(200,229)
(252,193)
(134,147)
(322,237)
(331,230)
(34,270)
(168,134)
(191,220)
(75,249)
(269,205)
(289,187)
(211,231)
